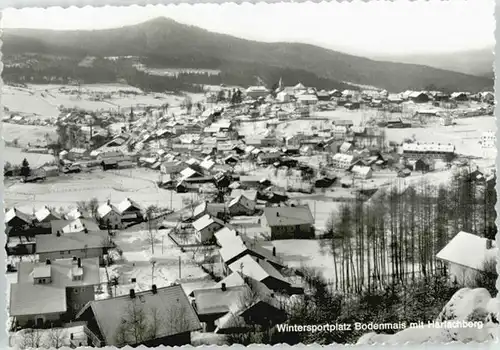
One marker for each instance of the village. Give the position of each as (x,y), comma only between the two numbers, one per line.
(220,205)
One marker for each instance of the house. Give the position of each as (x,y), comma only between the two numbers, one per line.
(44,216)
(424,165)
(342,161)
(189,173)
(255,92)
(77,153)
(74,214)
(419,97)
(129,210)
(52,291)
(206,226)
(487,96)
(346,147)
(17,221)
(172,167)
(213,303)
(288,222)
(323,95)
(362,172)
(110,322)
(268,158)
(241,205)
(283,97)
(307,99)
(262,271)
(213,209)
(109,216)
(431,150)
(466,254)
(227,236)
(459,96)
(238,304)
(71,226)
(91,244)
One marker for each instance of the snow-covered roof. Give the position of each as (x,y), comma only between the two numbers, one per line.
(207,164)
(187,173)
(428,147)
(203,222)
(362,170)
(227,237)
(105,209)
(339,157)
(12,213)
(42,214)
(468,250)
(128,203)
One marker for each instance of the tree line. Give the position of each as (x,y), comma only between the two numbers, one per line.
(394,237)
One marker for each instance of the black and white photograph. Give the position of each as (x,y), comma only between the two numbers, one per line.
(270,173)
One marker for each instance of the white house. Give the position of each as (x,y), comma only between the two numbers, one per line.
(466,254)
(206,226)
(342,161)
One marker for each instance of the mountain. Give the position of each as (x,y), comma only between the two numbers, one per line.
(164,43)
(474,62)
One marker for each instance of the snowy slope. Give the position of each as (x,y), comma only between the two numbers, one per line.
(466,305)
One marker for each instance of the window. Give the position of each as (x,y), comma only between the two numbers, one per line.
(82,250)
(69,251)
(61,252)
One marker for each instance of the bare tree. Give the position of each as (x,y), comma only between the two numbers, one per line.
(190,203)
(31,338)
(133,328)
(152,229)
(58,338)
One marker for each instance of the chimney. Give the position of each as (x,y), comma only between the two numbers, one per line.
(109,202)
(223,287)
(154,289)
(132,294)
(274,251)
(47,262)
(489,243)
(79,262)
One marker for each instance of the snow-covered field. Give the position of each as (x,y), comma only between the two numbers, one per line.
(64,191)
(27,133)
(465,135)
(26,101)
(15,156)
(45,100)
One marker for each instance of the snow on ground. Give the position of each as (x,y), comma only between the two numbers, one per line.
(23,101)
(27,133)
(65,190)
(20,340)
(297,253)
(465,303)
(171,264)
(44,100)
(465,135)
(15,156)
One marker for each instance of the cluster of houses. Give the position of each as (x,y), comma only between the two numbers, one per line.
(76,233)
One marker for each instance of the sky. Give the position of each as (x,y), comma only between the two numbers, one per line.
(378,27)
